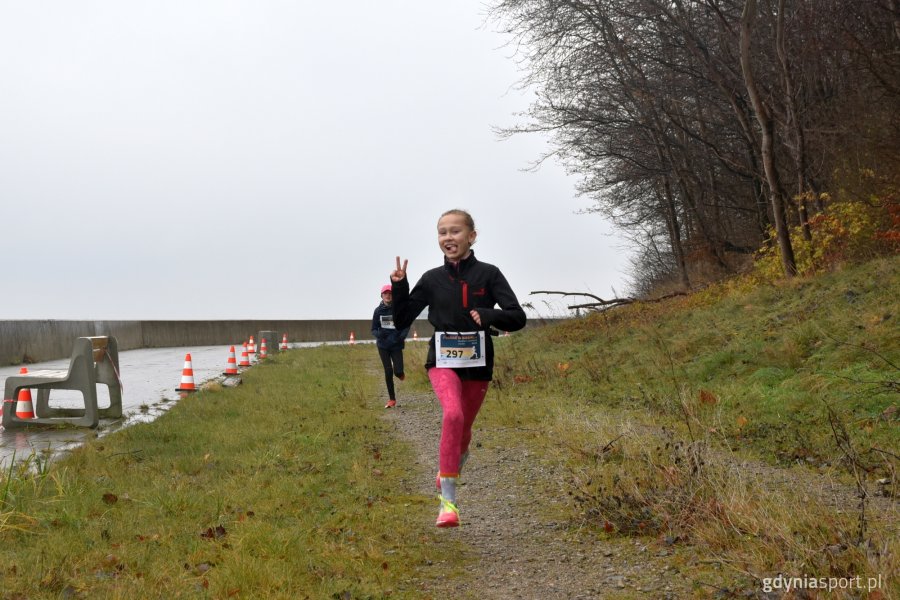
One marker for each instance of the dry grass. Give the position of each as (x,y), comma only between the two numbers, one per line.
(704,423)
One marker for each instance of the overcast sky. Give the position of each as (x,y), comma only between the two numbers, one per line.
(216,159)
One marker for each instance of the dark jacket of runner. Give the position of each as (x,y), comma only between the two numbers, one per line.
(389,339)
(450,292)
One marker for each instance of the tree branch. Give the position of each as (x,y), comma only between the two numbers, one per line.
(602,304)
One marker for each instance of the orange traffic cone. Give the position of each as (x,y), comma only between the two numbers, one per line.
(251,349)
(263,351)
(245,357)
(24,407)
(284,345)
(187,376)
(352,338)
(231,365)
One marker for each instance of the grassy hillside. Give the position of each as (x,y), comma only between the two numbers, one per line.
(764,366)
(758,423)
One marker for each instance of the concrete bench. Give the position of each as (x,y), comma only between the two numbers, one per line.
(94,360)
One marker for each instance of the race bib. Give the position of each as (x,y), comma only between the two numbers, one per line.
(387,322)
(459,350)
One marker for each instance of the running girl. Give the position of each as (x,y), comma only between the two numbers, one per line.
(390,342)
(460,296)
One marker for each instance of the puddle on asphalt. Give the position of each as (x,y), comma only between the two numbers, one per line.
(21,444)
(149,378)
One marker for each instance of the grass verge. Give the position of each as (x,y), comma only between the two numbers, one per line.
(287,486)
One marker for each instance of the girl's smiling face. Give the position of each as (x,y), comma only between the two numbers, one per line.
(455,237)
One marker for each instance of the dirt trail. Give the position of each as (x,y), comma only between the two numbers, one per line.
(517,552)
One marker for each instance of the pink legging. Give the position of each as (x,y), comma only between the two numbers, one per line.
(460,401)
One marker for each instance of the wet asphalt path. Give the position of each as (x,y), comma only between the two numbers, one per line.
(149,378)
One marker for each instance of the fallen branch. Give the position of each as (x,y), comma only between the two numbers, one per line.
(876,449)
(602,304)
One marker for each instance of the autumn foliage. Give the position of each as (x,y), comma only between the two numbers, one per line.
(847,232)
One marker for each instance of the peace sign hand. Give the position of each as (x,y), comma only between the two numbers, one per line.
(400,273)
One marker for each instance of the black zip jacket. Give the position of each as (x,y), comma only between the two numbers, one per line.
(450,292)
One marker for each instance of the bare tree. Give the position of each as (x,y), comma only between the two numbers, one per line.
(677,124)
(767,143)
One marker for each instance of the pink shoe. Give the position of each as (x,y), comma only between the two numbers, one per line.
(391,404)
(449,515)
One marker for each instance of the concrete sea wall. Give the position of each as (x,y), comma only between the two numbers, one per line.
(41,340)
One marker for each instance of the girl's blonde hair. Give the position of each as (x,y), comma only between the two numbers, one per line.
(470,222)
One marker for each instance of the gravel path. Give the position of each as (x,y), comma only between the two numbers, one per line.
(516,552)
